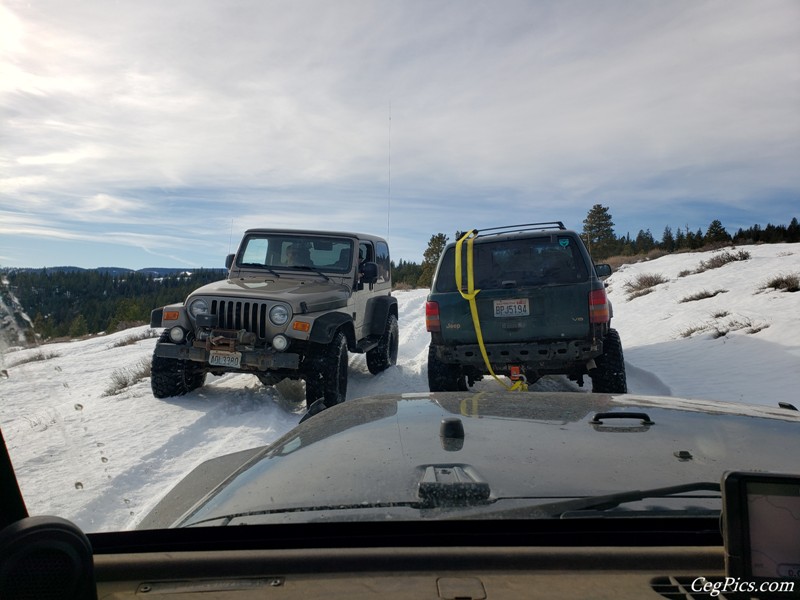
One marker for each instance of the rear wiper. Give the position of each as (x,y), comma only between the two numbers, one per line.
(260,266)
(606,502)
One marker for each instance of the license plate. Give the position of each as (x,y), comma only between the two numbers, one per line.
(225,359)
(512,308)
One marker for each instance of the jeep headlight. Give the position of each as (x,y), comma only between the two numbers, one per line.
(279,315)
(198,307)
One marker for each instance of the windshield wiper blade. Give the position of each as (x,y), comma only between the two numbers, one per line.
(614,500)
(300,509)
(259,266)
(307,268)
(606,502)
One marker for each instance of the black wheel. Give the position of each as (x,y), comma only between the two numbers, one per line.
(327,372)
(609,376)
(384,355)
(443,377)
(173,377)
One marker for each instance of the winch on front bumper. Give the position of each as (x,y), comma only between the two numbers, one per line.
(230,350)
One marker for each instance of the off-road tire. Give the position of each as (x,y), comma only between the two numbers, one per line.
(609,376)
(384,355)
(173,377)
(443,377)
(327,376)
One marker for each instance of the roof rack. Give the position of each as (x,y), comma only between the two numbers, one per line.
(516,228)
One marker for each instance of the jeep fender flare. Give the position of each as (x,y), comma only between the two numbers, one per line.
(378,311)
(157,317)
(324,328)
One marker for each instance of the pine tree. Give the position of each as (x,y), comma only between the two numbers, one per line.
(430,259)
(644,242)
(793,231)
(696,239)
(691,243)
(598,232)
(680,239)
(668,240)
(78,327)
(716,234)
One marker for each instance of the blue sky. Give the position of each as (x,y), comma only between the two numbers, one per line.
(148,133)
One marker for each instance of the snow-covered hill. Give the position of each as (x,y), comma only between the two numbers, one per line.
(104,459)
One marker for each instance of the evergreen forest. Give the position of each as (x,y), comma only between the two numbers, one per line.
(78,302)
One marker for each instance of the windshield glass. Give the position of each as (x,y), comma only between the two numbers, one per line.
(296,251)
(228,257)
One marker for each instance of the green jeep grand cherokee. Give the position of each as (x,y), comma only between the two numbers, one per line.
(521,301)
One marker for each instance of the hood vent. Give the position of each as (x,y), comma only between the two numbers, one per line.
(452,485)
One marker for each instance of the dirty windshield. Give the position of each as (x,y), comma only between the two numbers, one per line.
(228,257)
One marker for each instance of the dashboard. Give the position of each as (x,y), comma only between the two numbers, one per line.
(577,558)
(412,573)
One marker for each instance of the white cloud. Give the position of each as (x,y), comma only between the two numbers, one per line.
(567,101)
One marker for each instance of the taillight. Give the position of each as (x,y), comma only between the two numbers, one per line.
(432,316)
(598,306)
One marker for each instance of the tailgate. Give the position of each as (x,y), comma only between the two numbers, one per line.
(549,312)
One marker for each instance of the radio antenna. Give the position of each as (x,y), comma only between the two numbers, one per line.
(389,161)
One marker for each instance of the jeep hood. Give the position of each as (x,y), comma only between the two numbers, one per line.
(391,455)
(293,289)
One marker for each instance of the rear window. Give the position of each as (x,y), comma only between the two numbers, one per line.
(516,263)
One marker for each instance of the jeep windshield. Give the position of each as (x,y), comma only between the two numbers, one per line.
(228,283)
(296,253)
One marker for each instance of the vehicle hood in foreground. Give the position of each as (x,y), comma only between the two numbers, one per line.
(420,455)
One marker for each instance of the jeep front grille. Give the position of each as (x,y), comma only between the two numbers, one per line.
(239,314)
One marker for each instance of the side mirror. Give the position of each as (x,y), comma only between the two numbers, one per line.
(369,272)
(229,261)
(603,270)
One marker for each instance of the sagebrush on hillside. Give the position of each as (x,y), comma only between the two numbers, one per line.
(643,284)
(788,283)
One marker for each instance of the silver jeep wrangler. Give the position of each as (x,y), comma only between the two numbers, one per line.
(294,304)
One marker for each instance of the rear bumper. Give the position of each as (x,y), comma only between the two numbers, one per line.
(555,357)
(253,360)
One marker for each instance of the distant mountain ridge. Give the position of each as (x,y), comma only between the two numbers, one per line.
(116,271)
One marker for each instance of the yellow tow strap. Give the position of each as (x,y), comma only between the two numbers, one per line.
(473,307)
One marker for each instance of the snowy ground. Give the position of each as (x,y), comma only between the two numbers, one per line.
(104,460)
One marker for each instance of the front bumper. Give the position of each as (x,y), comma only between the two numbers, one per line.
(251,360)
